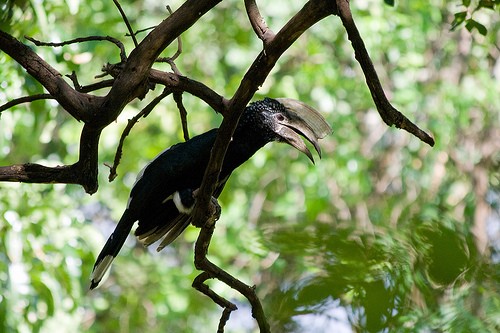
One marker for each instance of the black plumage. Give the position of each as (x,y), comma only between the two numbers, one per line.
(162,196)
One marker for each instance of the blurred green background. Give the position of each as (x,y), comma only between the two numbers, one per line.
(384,234)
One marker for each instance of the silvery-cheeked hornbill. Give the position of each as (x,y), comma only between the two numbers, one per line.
(162,196)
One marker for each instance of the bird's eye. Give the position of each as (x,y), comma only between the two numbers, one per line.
(280,117)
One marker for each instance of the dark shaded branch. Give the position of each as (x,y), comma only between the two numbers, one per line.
(211,271)
(171,60)
(258,23)
(36,173)
(183,114)
(127,23)
(178,83)
(131,81)
(389,114)
(223,320)
(84,172)
(312,12)
(96,86)
(88,158)
(119,44)
(25,99)
(75,103)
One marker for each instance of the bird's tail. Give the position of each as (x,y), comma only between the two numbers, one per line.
(111,248)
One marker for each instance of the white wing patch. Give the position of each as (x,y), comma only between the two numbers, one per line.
(179,205)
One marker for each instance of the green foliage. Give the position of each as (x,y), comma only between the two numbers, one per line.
(471,9)
(377,236)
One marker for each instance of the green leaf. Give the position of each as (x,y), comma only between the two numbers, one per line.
(466,3)
(486,4)
(471,24)
(459,19)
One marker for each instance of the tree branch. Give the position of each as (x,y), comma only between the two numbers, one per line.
(179,83)
(75,103)
(182,114)
(389,114)
(312,12)
(127,23)
(36,173)
(211,271)
(119,44)
(24,99)
(258,23)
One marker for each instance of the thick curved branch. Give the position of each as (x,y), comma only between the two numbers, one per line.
(179,83)
(88,158)
(389,114)
(312,12)
(84,172)
(212,271)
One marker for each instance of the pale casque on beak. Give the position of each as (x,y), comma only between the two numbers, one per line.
(304,120)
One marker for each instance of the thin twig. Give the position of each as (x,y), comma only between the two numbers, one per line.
(183,114)
(25,99)
(119,44)
(389,114)
(131,122)
(97,86)
(140,30)
(127,23)
(74,79)
(171,60)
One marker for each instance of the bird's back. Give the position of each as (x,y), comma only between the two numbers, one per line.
(180,167)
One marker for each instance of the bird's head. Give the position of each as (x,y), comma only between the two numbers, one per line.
(285,120)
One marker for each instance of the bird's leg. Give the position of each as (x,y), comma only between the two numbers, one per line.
(212,271)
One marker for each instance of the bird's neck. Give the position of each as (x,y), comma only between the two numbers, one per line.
(244,144)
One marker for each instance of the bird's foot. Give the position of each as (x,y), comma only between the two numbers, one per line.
(212,215)
(214,211)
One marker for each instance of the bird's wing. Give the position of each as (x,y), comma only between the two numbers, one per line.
(171,230)
(152,199)
(177,222)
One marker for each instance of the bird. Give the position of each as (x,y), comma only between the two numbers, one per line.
(163,195)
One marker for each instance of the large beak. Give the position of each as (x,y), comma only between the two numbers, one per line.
(304,120)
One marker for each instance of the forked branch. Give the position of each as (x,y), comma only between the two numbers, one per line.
(211,271)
